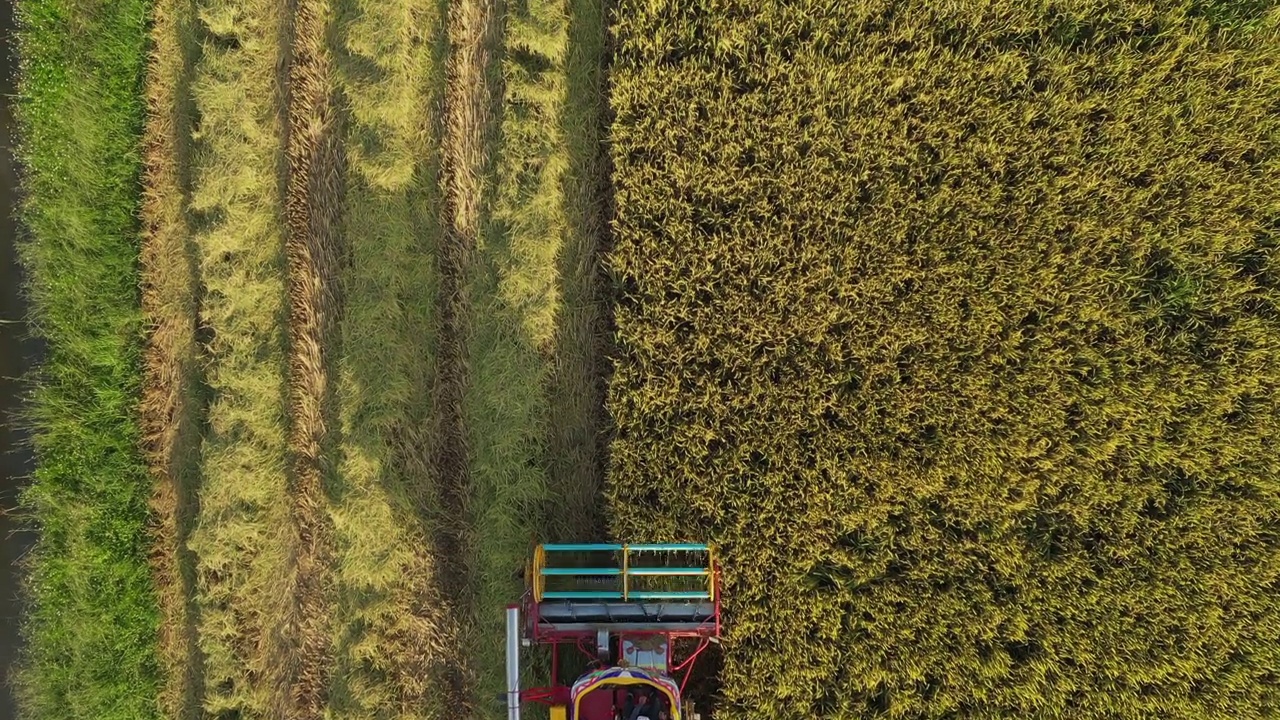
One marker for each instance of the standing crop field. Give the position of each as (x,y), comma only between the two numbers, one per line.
(956,325)
(91,627)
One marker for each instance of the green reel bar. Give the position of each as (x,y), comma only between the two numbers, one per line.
(658,572)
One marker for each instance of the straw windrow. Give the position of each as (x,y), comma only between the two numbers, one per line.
(244,537)
(472,33)
(397,630)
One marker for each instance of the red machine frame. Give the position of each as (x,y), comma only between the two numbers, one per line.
(557,694)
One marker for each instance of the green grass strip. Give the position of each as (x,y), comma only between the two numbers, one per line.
(91,631)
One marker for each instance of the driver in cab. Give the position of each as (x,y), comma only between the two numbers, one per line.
(645,706)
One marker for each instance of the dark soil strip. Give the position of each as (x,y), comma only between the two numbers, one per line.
(16,355)
(173,396)
(313,207)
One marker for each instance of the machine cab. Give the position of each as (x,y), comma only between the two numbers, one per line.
(620,693)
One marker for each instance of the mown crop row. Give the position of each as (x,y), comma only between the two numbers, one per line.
(352,372)
(316,584)
(244,537)
(173,400)
(956,325)
(92,617)
(396,629)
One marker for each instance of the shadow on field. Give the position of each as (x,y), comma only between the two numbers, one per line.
(470,30)
(175,395)
(17,353)
(579,427)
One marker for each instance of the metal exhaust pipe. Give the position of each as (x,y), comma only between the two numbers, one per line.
(513,662)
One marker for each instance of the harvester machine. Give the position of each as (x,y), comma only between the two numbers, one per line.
(623,607)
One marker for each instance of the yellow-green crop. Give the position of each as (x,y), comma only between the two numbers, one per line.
(955,324)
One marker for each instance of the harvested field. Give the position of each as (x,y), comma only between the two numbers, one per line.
(397,630)
(582,338)
(526,203)
(531,292)
(955,325)
(371,371)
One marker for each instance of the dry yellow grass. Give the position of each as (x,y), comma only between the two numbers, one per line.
(244,536)
(396,629)
(172,402)
(473,32)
